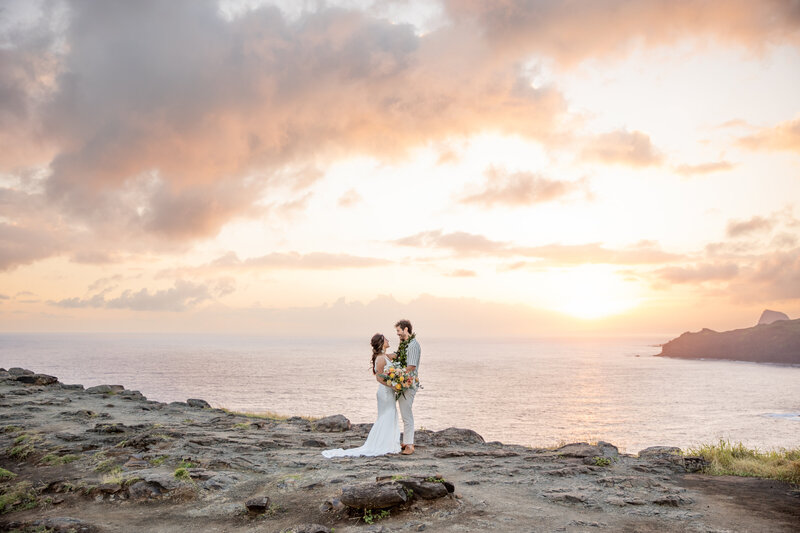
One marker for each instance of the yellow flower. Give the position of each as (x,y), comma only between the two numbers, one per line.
(398,386)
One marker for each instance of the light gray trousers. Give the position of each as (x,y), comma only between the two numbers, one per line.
(405,403)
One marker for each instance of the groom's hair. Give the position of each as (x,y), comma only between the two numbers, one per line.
(404,324)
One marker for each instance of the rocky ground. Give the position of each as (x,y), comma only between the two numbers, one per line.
(107,459)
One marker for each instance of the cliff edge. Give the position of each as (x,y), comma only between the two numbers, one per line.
(776,342)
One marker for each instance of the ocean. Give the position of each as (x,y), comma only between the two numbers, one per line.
(535,392)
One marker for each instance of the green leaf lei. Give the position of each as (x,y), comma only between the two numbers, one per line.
(401,350)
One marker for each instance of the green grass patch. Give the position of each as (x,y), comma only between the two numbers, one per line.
(158,461)
(53,459)
(17,497)
(735,459)
(187,464)
(602,461)
(5,475)
(12,429)
(107,465)
(182,474)
(113,476)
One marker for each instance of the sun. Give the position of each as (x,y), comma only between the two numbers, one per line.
(592,292)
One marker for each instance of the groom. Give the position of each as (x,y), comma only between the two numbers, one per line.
(408,353)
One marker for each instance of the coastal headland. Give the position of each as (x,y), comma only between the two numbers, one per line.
(107,459)
(767,342)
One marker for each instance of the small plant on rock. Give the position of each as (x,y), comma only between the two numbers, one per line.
(370,516)
(157,461)
(602,461)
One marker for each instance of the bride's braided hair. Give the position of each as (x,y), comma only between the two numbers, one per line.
(377,348)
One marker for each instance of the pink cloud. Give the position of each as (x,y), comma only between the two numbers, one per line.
(784,136)
(517,189)
(631,148)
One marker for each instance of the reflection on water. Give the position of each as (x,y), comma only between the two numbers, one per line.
(532,392)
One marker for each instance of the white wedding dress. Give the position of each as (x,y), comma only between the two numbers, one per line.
(384,437)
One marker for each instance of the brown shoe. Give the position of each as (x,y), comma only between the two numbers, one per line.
(408,449)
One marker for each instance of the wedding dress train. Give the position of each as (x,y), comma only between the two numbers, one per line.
(384,437)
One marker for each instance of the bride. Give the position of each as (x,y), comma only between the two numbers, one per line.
(384,437)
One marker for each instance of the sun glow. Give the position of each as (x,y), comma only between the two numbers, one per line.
(592,292)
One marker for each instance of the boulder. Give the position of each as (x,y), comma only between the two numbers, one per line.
(17,371)
(427,490)
(659,452)
(257,505)
(448,437)
(105,389)
(668,457)
(132,395)
(200,404)
(769,316)
(373,495)
(37,379)
(333,423)
(143,490)
(583,450)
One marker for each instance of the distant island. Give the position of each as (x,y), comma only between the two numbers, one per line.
(774,339)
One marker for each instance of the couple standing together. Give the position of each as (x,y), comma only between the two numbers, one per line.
(384,437)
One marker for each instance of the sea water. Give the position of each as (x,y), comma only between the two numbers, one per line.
(536,392)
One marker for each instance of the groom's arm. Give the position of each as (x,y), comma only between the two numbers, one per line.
(412,356)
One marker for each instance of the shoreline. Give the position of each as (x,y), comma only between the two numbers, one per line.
(105,458)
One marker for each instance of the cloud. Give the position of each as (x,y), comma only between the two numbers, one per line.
(20,245)
(4,297)
(28,230)
(784,136)
(182,296)
(311,261)
(462,273)
(737,228)
(519,189)
(622,147)
(209,115)
(703,168)
(571,32)
(469,244)
(777,276)
(230,262)
(210,119)
(104,283)
(638,254)
(459,242)
(350,198)
(699,273)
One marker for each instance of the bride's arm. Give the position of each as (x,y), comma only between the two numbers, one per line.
(379,370)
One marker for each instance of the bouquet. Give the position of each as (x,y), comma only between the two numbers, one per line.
(399,379)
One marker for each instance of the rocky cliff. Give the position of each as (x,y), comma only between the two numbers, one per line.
(106,458)
(769,316)
(777,342)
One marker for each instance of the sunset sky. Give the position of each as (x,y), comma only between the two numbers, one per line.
(511,167)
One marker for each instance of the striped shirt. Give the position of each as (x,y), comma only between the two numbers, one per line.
(413,353)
